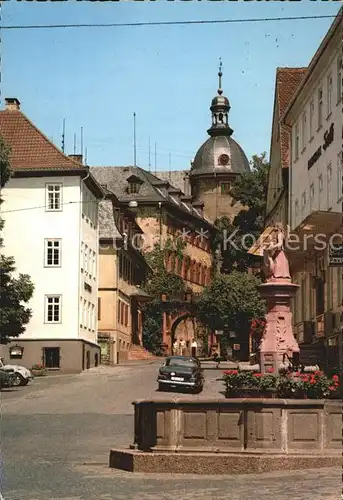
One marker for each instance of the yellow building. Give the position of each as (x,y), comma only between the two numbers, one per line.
(121,270)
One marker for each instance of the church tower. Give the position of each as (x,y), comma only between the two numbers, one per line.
(218,162)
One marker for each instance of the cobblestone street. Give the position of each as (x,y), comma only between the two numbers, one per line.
(57,433)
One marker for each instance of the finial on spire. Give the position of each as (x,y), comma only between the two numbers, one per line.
(220,74)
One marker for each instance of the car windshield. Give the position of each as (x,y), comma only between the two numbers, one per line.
(180,362)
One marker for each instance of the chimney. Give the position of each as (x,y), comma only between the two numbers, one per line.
(77,158)
(12,103)
(199,207)
(186,185)
(187,200)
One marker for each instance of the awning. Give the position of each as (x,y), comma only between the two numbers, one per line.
(140,295)
(327,223)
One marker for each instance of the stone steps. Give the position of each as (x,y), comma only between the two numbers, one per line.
(138,353)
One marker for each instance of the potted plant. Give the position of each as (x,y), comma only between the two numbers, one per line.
(38,370)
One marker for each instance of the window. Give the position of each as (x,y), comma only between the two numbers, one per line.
(85,313)
(82,255)
(86,259)
(303,131)
(53,308)
(52,253)
(329,94)
(329,186)
(89,318)
(321,184)
(94,265)
(90,263)
(311,118)
(340,176)
(93,318)
(53,197)
(339,79)
(296,151)
(133,188)
(296,208)
(225,188)
(99,308)
(311,195)
(320,107)
(303,201)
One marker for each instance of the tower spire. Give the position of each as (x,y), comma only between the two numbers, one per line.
(220,74)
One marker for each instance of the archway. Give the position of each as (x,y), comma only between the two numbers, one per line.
(188,327)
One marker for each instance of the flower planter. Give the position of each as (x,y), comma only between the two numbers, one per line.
(38,373)
(250,392)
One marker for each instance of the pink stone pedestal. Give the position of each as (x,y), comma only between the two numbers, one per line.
(278,338)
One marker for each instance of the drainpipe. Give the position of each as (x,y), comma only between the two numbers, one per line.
(160,207)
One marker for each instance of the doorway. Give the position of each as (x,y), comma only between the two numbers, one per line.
(88,360)
(51,357)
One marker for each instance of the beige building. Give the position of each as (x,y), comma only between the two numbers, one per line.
(121,270)
(315,120)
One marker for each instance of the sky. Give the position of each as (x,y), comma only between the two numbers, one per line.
(96,78)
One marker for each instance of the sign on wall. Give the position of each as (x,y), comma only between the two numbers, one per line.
(336,256)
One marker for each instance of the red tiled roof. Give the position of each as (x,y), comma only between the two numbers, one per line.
(287,81)
(30,149)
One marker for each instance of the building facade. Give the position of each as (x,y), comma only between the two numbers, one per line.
(315,120)
(165,215)
(51,229)
(286,82)
(122,269)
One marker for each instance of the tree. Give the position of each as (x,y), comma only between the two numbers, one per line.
(237,236)
(13,291)
(160,282)
(231,303)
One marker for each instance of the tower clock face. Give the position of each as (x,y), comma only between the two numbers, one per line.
(224,159)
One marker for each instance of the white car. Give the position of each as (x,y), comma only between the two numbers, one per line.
(22,375)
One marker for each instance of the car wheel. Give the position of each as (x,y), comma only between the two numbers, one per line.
(160,387)
(19,380)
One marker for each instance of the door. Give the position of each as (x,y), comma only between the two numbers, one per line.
(51,357)
(88,360)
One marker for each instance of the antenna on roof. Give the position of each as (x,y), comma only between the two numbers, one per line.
(134,141)
(82,142)
(169,166)
(74,144)
(149,157)
(85,156)
(155,158)
(63,134)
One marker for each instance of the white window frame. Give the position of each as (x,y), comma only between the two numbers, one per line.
(296,142)
(320,107)
(84,321)
(339,84)
(89,315)
(53,298)
(312,111)
(329,86)
(94,264)
(303,131)
(47,246)
(53,187)
(329,197)
(312,195)
(93,318)
(340,176)
(85,267)
(82,255)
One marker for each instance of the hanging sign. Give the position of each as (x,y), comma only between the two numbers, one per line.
(336,255)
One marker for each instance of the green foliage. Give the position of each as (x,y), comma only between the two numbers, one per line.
(160,282)
(250,190)
(13,291)
(231,302)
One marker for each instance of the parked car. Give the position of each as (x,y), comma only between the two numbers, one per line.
(181,371)
(21,375)
(6,378)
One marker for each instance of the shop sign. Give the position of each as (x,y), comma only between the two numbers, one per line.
(336,255)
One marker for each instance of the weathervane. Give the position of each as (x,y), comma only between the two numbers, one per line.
(220,74)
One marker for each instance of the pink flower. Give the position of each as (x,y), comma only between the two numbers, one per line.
(257,374)
(270,370)
(332,388)
(335,378)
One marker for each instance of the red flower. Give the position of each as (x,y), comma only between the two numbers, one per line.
(257,374)
(270,370)
(312,380)
(332,388)
(335,378)
(234,372)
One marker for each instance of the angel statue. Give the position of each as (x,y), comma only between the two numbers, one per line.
(276,264)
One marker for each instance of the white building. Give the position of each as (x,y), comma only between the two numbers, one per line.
(315,121)
(51,211)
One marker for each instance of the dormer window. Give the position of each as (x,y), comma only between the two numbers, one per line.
(134,184)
